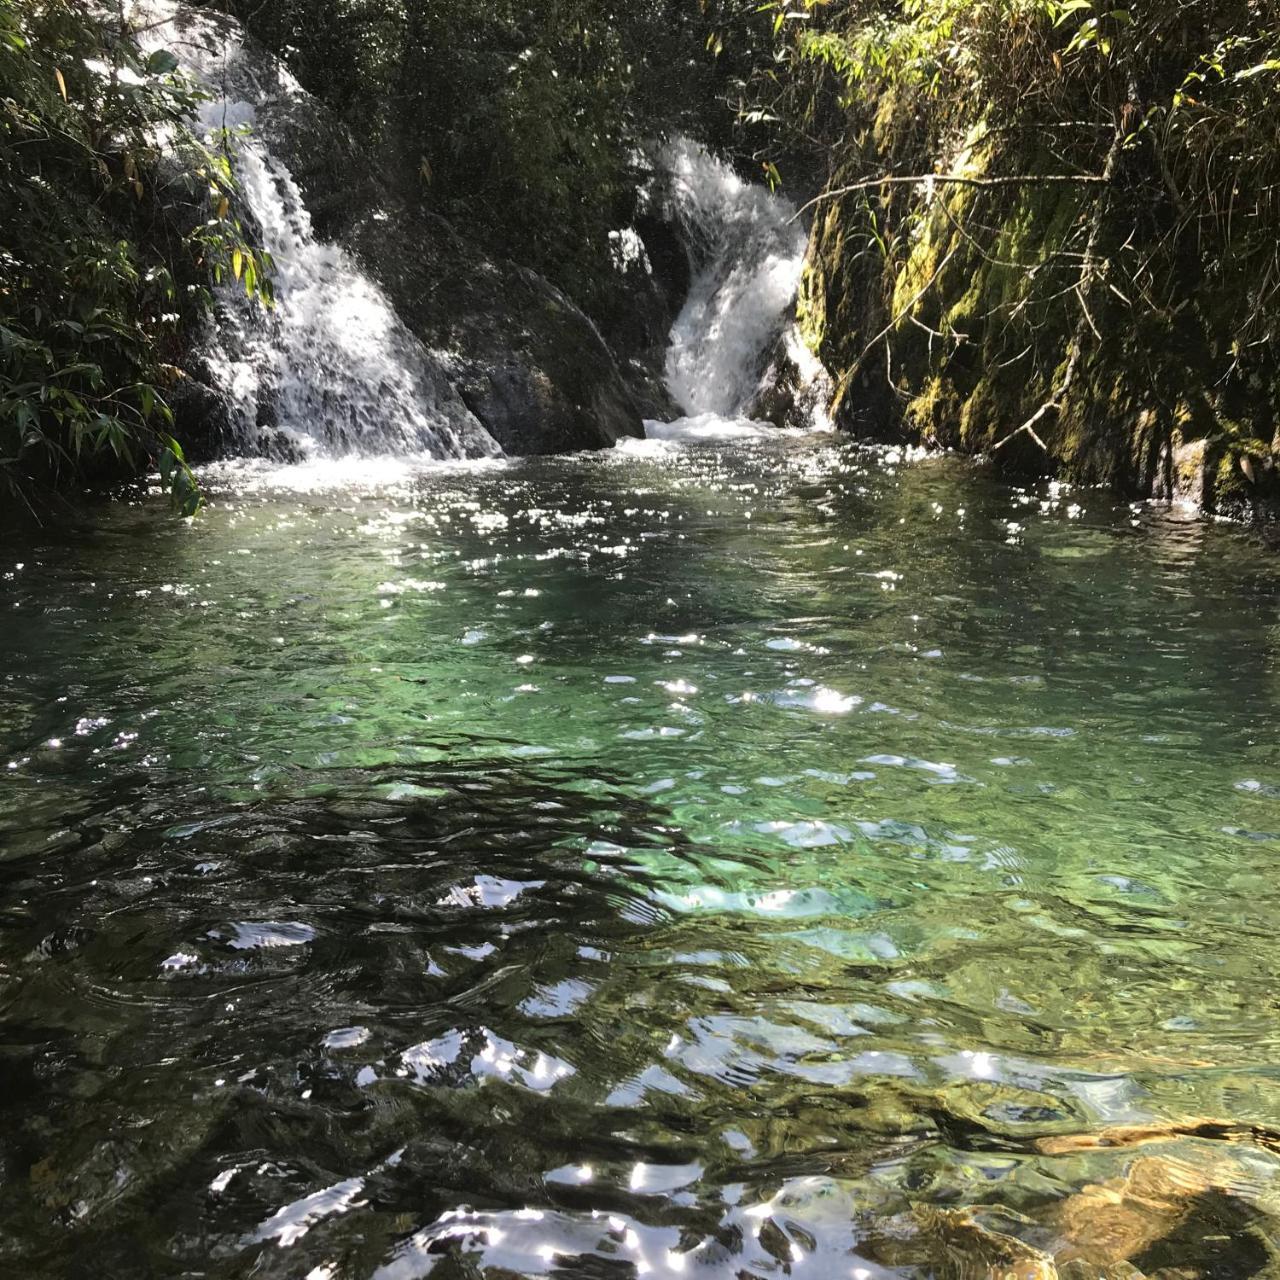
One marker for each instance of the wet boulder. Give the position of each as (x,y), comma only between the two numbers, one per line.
(795,389)
(529,364)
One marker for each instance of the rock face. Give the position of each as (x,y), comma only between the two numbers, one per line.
(527,364)
(795,388)
(654,275)
(530,365)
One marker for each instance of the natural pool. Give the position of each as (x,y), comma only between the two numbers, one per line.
(730,857)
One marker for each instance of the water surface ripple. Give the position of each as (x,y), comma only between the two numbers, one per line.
(744,858)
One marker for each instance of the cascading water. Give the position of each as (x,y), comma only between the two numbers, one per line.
(334,363)
(748,251)
(332,370)
(331,366)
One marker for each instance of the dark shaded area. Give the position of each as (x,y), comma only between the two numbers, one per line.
(123,1097)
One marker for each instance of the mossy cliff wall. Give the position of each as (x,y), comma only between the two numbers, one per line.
(952,313)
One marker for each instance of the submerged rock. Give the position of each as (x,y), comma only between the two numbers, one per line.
(1169,1217)
(957,1243)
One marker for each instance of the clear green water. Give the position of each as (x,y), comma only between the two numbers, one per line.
(744,860)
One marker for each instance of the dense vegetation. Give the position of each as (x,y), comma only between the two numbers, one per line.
(520,120)
(114,222)
(1043,228)
(521,123)
(1049,225)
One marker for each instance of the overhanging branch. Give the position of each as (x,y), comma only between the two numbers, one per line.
(955,179)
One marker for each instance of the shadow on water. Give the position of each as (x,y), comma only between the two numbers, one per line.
(399,917)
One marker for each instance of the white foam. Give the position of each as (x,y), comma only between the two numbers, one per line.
(708,426)
(331,366)
(749,252)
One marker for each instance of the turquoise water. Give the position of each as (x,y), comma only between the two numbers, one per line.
(751,857)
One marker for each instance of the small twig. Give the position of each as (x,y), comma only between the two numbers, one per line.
(934,333)
(1084,307)
(1005,364)
(906,311)
(1028,428)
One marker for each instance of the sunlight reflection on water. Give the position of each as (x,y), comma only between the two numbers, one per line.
(602,839)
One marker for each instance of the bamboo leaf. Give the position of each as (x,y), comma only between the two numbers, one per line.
(1272,64)
(1071,6)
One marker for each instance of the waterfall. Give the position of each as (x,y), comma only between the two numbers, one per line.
(333,371)
(747,253)
(331,366)
(332,363)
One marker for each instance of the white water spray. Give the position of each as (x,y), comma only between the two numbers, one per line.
(748,253)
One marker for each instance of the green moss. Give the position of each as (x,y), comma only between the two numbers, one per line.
(1231,487)
(844,387)
(934,414)
(1189,468)
(888,122)
(811,307)
(965,313)
(979,417)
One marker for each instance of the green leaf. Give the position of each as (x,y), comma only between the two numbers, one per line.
(1272,64)
(1069,7)
(177,477)
(162,63)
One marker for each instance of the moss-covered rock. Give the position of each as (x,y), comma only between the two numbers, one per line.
(1068,286)
(938,337)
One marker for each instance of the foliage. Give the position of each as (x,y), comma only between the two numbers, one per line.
(114,221)
(1122,157)
(1126,187)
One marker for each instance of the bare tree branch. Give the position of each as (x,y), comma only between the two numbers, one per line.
(900,180)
